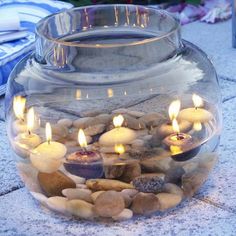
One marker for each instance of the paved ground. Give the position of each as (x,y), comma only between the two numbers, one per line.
(211,212)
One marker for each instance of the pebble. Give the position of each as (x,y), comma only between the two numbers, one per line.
(104,118)
(53,184)
(149,183)
(113,171)
(120,111)
(107,184)
(137,143)
(109,203)
(191,166)
(174,175)
(130,192)
(172,188)
(96,194)
(133,123)
(81,209)
(152,118)
(94,130)
(208,160)
(193,180)
(82,123)
(126,214)
(75,193)
(145,203)
(59,130)
(156,164)
(130,172)
(57,204)
(40,197)
(65,122)
(128,200)
(81,186)
(168,200)
(141,133)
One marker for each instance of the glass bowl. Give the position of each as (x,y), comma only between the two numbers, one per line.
(113,114)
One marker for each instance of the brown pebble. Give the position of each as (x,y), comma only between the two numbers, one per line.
(174,175)
(109,203)
(130,172)
(145,203)
(53,184)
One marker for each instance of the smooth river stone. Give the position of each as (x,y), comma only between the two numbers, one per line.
(65,122)
(174,175)
(57,204)
(130,192)
(145,203)
(96,194)
(59,130)
(193,180)
(94,129)
(126,214)
(156,164)
(113,171)
(152,119)
(53,183)
(82,123)
(40,197)
(107,184)
(174,189)
(109,203)
(75,193)
(81,209)
(168,200)
(130,172)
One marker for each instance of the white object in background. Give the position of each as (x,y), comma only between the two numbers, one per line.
(10,20)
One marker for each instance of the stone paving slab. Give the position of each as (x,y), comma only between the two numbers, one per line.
(221,187)
(22,216)
(216,41)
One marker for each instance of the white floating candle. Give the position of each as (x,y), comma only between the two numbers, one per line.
(47,157)
(196,114)
(118,135)
(24,142)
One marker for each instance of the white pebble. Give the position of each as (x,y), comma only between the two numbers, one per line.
(57,204)
(124,215)
(76,193)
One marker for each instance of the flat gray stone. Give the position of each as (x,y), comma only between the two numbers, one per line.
(216,41)
(23,216)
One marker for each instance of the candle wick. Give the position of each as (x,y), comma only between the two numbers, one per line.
(49,141)
(29,132)
(196,108)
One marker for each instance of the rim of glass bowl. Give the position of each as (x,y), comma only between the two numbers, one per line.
(40,33)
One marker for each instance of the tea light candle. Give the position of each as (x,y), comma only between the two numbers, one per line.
(180,144)
(84,163)
(196,114)
(118,135)
(19,125)
(23,142)
(47,157)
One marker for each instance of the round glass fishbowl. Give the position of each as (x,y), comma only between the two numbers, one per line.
(113,114)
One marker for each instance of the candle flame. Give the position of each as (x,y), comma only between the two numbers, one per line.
(110,93)
(197,126)
(48,130)
(82,139)
(175,126)
(19,106)
(118,120)
(119,148)
(78,94)
(174,109)
(197,100)
(30,119)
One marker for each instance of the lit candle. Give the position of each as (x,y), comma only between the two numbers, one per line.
(167,129)
(26,141)
(118,135)
(196,114)
(19,125)
(180,145)
(84,163)
(48,156)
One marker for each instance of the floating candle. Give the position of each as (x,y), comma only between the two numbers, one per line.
(24,142)
(84,163)
(180,144)
(19,125)
(196,114)
(47,157)
(167,129)
(118,135)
